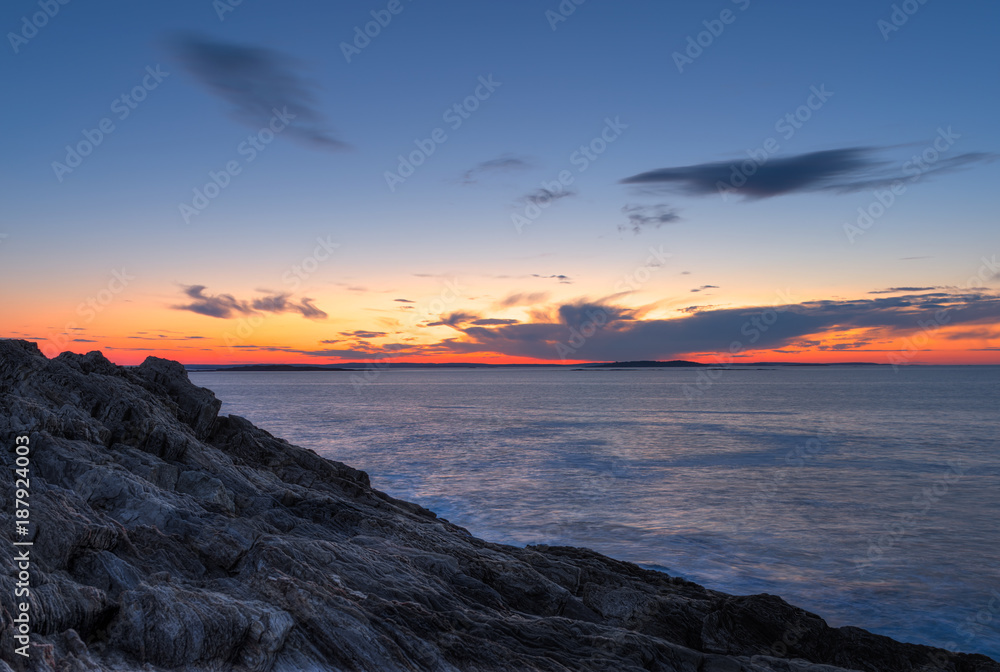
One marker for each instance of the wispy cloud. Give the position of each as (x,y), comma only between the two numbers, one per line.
(704,287)
(361,334)
(226,306)
(502,164)
(644,216)
(839,170)
(898,290)
(544,197)
(563,279)
(522,299)
(256,81)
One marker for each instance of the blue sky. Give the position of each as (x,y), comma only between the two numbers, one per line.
(891,93)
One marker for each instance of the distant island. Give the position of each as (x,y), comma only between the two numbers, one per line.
(650,364)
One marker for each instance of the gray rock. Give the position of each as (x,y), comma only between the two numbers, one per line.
(169,537)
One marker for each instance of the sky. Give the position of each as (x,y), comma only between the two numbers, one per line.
(507,182)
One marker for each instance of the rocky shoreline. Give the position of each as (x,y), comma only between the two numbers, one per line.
(165,536)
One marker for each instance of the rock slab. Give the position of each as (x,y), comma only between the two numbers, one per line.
(165,536)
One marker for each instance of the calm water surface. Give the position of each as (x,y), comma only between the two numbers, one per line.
(868,496)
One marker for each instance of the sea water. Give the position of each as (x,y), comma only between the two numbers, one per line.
(868,495)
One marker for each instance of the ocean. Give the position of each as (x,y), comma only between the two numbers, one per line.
(868,495)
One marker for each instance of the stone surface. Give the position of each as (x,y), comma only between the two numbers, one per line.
(169,537)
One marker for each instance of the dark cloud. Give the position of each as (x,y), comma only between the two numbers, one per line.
(840,170)
(644,216)
(545,197)
(280,303)
(83,340)
(704,287)
(226,306)
(493,322)
(897,290)
(454,319)
(505,163)
(622,336)
(563,279)
(257,82)
(403,301)
(223,306)
(360,334)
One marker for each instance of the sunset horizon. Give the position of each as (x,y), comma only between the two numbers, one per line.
(511,335)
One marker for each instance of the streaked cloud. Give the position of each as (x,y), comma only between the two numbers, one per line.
(641,217)
(226,306)
(839,170)
(256,82)
(503,164)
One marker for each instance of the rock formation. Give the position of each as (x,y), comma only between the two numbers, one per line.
(166,536)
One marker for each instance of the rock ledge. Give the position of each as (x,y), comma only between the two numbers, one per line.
(166,537)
